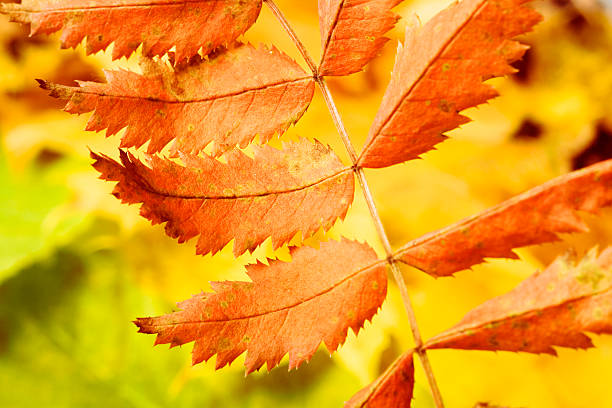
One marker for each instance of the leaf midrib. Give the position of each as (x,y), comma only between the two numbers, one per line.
(598,169)
(208,99)
(147,187)
(423,74)
(86,8)
(294,305)
(525,314)
(331,31)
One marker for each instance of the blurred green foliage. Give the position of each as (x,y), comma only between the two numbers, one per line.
(29,226)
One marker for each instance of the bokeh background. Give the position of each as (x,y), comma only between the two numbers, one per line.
(76,267)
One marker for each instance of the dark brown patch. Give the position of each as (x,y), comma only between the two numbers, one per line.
(528,130)
(525,66)
(599,150)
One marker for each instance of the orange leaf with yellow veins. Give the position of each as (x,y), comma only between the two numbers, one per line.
(534,217)
(393,388)
(439,71)
(552,308)
(289,307)
(276,194)
(352,33)
(229,99)
(159,25)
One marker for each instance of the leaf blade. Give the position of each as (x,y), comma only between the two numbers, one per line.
(552,308)
(534,217)
(289,307)
(352,33)
(394,388)
(439,72)
(160,25)
(216,101)
(275,194)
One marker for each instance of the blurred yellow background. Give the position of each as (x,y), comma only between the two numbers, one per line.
(76,266)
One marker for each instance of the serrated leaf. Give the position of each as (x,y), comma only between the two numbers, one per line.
(393,388)
(159,25)
(439,72)
(534,217)
(275,194)
(289,307)
(551,308)
(228,100)
(352,33)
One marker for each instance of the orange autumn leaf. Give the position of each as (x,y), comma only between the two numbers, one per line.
(534,217)
(188,25)
(289,307)
(229,99)
(393,388)
(276,194)
(552,308)
(439,72)
(352,33)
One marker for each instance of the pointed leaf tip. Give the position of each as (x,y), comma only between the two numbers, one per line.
(42,84)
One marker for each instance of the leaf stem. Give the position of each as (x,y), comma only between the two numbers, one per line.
(384,238)
(289,30)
